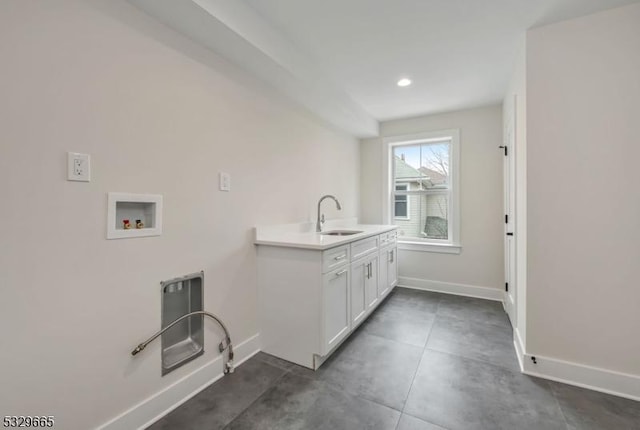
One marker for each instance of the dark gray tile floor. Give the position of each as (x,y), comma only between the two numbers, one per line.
(422,361)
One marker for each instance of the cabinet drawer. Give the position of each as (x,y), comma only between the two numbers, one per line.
(389,238)
(334,258)
(393,236)
(364,247)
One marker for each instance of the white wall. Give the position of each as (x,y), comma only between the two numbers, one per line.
(481,261)
(583,88)
(158,114)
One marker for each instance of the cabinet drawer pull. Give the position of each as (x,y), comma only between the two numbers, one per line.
(340,257)
(342,272)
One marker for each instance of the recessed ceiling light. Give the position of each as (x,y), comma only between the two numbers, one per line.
(404,82)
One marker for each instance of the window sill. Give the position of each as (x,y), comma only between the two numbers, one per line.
(429,247)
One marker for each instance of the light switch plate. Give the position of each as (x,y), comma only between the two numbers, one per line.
(225,181)
(78,167)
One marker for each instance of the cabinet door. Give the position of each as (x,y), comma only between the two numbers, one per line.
(359,277)
(392,268)
(371,289)
(336,307)
(383,278)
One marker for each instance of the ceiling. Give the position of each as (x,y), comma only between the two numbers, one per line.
(341,59)
(458,53)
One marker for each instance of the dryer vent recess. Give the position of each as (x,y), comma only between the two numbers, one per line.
(183,326)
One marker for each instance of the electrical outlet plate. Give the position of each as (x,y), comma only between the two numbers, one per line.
(78,167)
(225,181)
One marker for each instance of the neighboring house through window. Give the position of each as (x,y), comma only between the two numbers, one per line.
(424,190)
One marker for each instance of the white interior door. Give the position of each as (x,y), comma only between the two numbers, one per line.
(509,147)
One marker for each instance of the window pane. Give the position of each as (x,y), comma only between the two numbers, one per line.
(427,217)
(407,163)
(401,209)
(435,164)
(422,166)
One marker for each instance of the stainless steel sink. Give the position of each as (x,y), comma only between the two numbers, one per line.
(340,232)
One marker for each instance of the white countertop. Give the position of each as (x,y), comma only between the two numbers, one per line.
(304,235)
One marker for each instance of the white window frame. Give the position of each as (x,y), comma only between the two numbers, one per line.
(453,244)
(408,217)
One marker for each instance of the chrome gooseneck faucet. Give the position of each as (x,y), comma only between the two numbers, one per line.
(320,220)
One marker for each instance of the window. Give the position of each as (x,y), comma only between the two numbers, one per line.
(401,210)
(423,172)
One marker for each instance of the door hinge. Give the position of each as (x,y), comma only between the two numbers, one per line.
(506,219)
(506,286)
(506,151)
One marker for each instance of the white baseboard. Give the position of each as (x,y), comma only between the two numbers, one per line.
(580,375)
(451,288)
(593,378)
(519,346)
(161,403)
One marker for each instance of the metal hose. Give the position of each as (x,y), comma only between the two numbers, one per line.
(228,368)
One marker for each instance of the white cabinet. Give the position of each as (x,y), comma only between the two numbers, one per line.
(364,288)
(371,284)
(383,286)
(388,270)
(310,300)
(335,257)
(359,271)
(336,315)
(363,247)
(392,268)
(388,263)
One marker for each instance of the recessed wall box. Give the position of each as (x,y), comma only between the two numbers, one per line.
(147,208)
